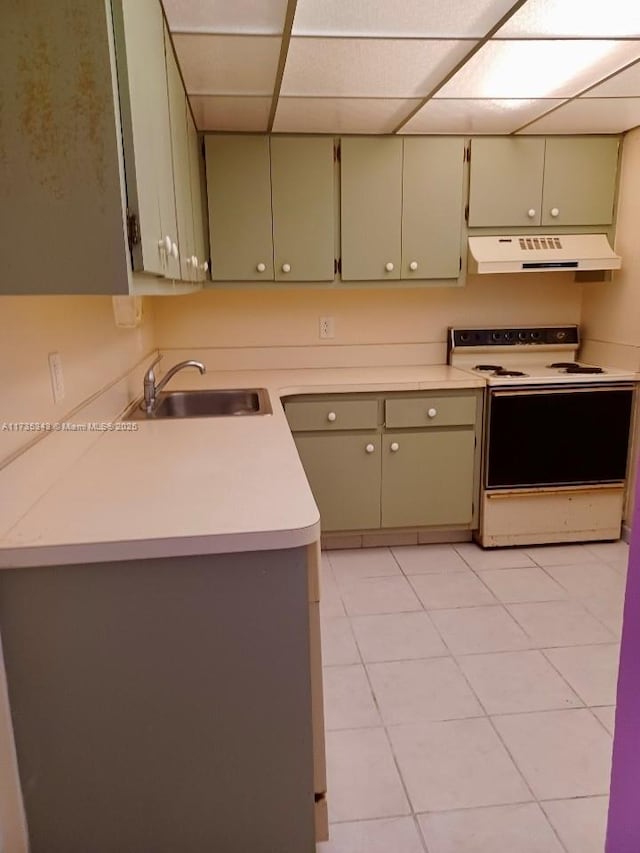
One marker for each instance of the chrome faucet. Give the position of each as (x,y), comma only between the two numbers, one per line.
(151,389)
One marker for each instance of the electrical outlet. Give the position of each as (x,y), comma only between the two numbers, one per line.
(327,327)
(57,377)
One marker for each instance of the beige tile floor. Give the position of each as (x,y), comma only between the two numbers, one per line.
(469,697)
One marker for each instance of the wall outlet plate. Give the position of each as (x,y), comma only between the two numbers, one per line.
(57,376)
(327,327)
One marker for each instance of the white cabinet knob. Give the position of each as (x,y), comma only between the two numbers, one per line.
(531,212)
(432,413)
(413,266)
(286,267)
(370,448)
(331,416)
(194,262)
(204,266)
(165,244)
(189,261)
(389,266)
(174,251)
(394,446)
(555,212)
(261,267)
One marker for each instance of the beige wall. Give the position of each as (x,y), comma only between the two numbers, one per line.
(94,353)
(255,318)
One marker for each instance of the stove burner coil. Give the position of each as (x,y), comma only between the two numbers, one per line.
(488,367)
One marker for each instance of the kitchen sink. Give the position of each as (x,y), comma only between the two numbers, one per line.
(205,404)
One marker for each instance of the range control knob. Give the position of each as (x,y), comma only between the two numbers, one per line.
(561,335)
(495,336)
(523,336)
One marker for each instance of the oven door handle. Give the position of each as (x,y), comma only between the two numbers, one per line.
(545,491)
(532,390)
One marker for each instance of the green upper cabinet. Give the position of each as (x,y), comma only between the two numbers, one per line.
(506,181)
(432,207)
(560,180)
(371,208)
(580,180)
(181,167)
(239,197)
(303,208)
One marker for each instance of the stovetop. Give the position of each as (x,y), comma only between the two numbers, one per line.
(540,355)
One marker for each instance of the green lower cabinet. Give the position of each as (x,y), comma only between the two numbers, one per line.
(428,478)
(344,475)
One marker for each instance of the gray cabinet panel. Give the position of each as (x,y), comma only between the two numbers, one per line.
(303,205)
(432,195)
(371,208)
(239,196)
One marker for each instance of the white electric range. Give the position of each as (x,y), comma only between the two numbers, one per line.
(556,435)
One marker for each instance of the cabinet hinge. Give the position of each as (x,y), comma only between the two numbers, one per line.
(466,212)
(133,230)
(336,153)
(203,147)
(337,266)
(467,153)
(460,265)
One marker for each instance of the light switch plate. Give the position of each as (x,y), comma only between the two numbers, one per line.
(57,376)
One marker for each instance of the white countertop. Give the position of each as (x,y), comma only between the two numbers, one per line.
(195,485)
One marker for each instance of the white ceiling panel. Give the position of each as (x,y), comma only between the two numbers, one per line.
(624,84)
(257,17)
(591,115)
(538,68)
(475,116)
(212,112)
(340,115)
(228,65)
(388,18)
(565,18)
(382,68)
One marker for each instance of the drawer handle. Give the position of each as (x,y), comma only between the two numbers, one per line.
(394,446)
(370,448)
(331,416)
(431,413)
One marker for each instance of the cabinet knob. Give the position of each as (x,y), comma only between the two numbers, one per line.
(194,262)
(555,211)
(531,212)
(413,266)
(204,266)
(389,266)
(165,244)
(370,448)
(174,250)
(261,267)
(432,413)
(394,446)
(331,416)
(286,267)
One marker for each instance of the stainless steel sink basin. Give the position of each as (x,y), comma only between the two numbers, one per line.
(206,404)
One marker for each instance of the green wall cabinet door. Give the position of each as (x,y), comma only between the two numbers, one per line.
(140,45)
(302,201)
(428,477)
(344,474)
(580,180)
(371,208)
(432,197)
(506,181)
(239,197)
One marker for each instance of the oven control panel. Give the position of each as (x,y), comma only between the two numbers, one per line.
(533,335)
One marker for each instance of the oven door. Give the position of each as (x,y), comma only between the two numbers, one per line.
(557,436)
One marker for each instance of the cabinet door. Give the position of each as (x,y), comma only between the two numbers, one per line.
(195,161)
(344,478)
(302,201)
(142,77)
(579,180)
(371,208)
(427,478)
(506,181)
(432,207)
(181,167)
(239,192)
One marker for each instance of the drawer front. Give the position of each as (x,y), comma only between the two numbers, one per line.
(430,411)
(307,415)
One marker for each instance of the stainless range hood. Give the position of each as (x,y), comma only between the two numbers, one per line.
(534,253)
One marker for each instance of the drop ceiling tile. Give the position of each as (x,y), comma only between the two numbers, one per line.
(591,115)
(624,84)
(240,16)
(475,116)
(228,113)
(538,68)
(340,115)
(378,68)
(411,18)
(228,65)
(564,18)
